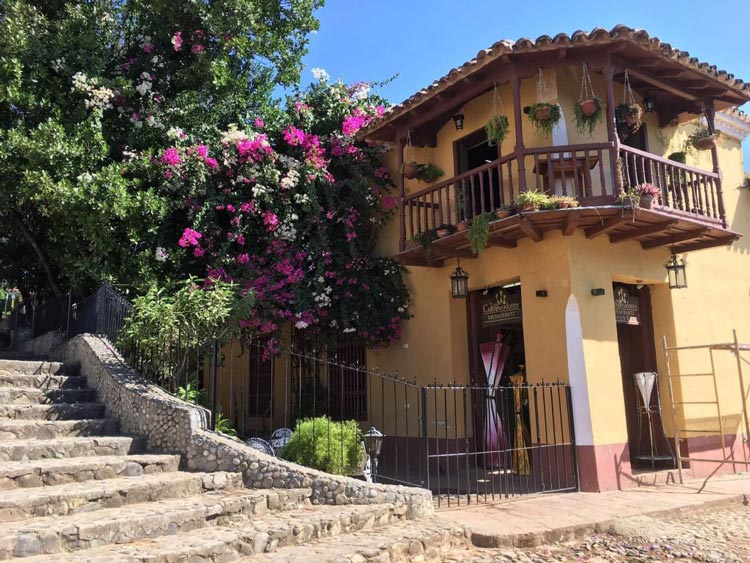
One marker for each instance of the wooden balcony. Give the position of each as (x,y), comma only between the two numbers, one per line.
(688,216)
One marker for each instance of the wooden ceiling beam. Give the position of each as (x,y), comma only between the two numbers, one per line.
(662,85)
(607,226)
(503,242)
(674,239)
(530,230)
(700,245)
(571,223)
(642,232)
(445,252)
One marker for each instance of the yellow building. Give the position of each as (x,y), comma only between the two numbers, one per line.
(577,295)
(595,302)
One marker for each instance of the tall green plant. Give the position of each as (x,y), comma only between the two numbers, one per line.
(320,443)
(479,231)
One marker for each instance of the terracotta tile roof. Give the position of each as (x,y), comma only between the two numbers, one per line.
(738,113)
(598,35)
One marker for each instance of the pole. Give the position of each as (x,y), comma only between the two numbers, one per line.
(742,387)
(214,391)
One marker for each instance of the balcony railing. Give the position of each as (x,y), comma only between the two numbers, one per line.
(588,172)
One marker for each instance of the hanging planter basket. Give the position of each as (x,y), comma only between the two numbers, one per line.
(409,170)
(544,116)
(497,129)
(588,109)
(628,114)
(703,139)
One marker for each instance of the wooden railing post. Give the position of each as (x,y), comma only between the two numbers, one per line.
(520,149)
(614,140)
(710,117)
(399,143)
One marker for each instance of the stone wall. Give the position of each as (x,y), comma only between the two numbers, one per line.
(41,345)
(170,425)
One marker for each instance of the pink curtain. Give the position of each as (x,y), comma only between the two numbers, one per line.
(494,356)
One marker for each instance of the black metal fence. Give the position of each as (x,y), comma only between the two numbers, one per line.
(466,443)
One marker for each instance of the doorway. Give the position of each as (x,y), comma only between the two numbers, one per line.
(648,445)
(472,152)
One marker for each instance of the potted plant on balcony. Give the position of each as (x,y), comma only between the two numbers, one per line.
(588,109)
(562,202)
(479,231)
(544,116)
(703,139)
(647,193)
(444,230)
(497,129)
(428,172)
(532,200)
(503,212)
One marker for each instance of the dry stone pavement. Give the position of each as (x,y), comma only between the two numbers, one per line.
(711,536)
(72,489)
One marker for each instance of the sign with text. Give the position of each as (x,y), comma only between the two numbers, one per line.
(627,306)
(500,307)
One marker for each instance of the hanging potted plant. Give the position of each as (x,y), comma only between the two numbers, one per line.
(479,231)
(497,129)
(409,169)
(428,173)
(543,115)
(532,200)
(628,114)
(703,139)
(498,125)
(588,108)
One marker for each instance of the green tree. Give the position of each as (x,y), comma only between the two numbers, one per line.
(87,88)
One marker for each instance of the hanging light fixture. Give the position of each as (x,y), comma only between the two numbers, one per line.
(459,283)
(649,104)
(458,119)
(676,272)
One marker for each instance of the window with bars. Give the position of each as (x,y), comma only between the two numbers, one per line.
(348,385)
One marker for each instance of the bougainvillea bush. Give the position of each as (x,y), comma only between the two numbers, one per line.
(291,212)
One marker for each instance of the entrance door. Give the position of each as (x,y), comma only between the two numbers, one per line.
(635,337)
(471,152)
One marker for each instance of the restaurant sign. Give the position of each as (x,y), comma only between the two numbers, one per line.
(500,307)
(627,306)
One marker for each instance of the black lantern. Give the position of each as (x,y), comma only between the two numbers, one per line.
(459,283)
(649,104)
(373,440)
(458,119)
(676,272)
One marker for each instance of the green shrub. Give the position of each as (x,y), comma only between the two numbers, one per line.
(320,443)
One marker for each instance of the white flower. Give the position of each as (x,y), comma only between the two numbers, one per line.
(175,133)
(57,64)
(300,324)
(155,59)
(233,135)
(319,74)
(161,254)
(145,76)
(361,92)
(151,120)
(350,330)
(143,88)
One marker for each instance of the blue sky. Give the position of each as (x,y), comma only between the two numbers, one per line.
(420,40)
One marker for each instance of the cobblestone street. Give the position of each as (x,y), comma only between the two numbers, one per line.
(715,536)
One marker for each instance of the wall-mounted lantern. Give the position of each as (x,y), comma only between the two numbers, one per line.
(676,272)
(649,104)
(458,119)
(459,283)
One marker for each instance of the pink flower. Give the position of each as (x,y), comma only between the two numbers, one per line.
(202,151)
(259,123)
(197,49)
(171,157)
(198,252)
(212,163)
(177,41)
(270,220)
(389,202)
(243,258)
(148,47)
(294,136)
(190,238)
(248,207)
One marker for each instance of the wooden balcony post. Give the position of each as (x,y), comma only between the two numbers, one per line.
(710,118)
(520,149)
(399,177)
(614,151)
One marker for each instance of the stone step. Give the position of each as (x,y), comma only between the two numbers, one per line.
(131,523)
(38,396)
(42,381)
(49,429)
(51,472)
(21,450)
(247,534)
(89,496)
(31,367)
(59,411)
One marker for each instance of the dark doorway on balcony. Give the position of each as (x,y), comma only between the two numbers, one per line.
(647,443)
(471,152)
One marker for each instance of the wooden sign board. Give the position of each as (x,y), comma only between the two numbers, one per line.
(627,306)
(500,307)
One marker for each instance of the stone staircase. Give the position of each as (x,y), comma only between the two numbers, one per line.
(73,490)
